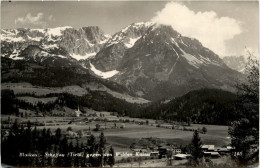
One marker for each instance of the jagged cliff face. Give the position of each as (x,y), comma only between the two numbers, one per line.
(66,41)
(111,55)
(162,63)
(153,61)
(237,63)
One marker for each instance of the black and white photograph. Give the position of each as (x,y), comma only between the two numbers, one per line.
(129,84)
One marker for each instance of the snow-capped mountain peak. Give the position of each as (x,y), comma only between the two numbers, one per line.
(57,31)
(152,60)
(130,34)
(81,43)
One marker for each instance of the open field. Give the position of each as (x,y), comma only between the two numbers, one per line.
(94,87)
(217,136)
(34,100)
(38,90)
(74,89)
(122,138)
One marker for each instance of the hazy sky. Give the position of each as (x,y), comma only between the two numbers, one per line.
(224,27)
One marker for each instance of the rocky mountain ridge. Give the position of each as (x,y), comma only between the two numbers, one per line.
(163,63)
(110,56)
(62,41)
(237,63)
(153,61)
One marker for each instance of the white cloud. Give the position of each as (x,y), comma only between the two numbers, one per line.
(212,31)
(39,20)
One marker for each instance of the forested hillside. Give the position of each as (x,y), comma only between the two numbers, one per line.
(207,106)
(41,74)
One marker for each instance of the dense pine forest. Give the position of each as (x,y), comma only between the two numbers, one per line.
(96,100)
(207,106)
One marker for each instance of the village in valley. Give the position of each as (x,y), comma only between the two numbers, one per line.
(130,84)
(54,128)
(136,141)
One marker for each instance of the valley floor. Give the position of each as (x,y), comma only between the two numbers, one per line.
(121,138)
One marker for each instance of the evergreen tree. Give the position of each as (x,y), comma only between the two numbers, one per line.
(8,102)
(15,127)
(71,149)
(57,139)
(91,149)
(204,130)
(101,148)
(49,139)
(111,157)
(245,131)
(28,135)
(77,149)
(65,150)
(196,150)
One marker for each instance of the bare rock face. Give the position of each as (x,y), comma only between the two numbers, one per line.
(237,63)
(79,44)
(161,63)
(110,56)
(153,61)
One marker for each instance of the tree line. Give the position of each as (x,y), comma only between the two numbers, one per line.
(207,106)
(11,104)
(53,149)
(48,76)
(96,100)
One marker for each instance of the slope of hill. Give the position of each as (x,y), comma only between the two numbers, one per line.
(17,71)
(207,106)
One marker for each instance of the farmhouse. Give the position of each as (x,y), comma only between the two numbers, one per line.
(145,152)
(176,151)
(154,154)
(211,151)
(214,154)
(211,154)
(222,151)
(166,148)
(166,126)
(208,148)
(230,148)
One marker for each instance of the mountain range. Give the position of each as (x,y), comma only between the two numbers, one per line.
(151,61)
